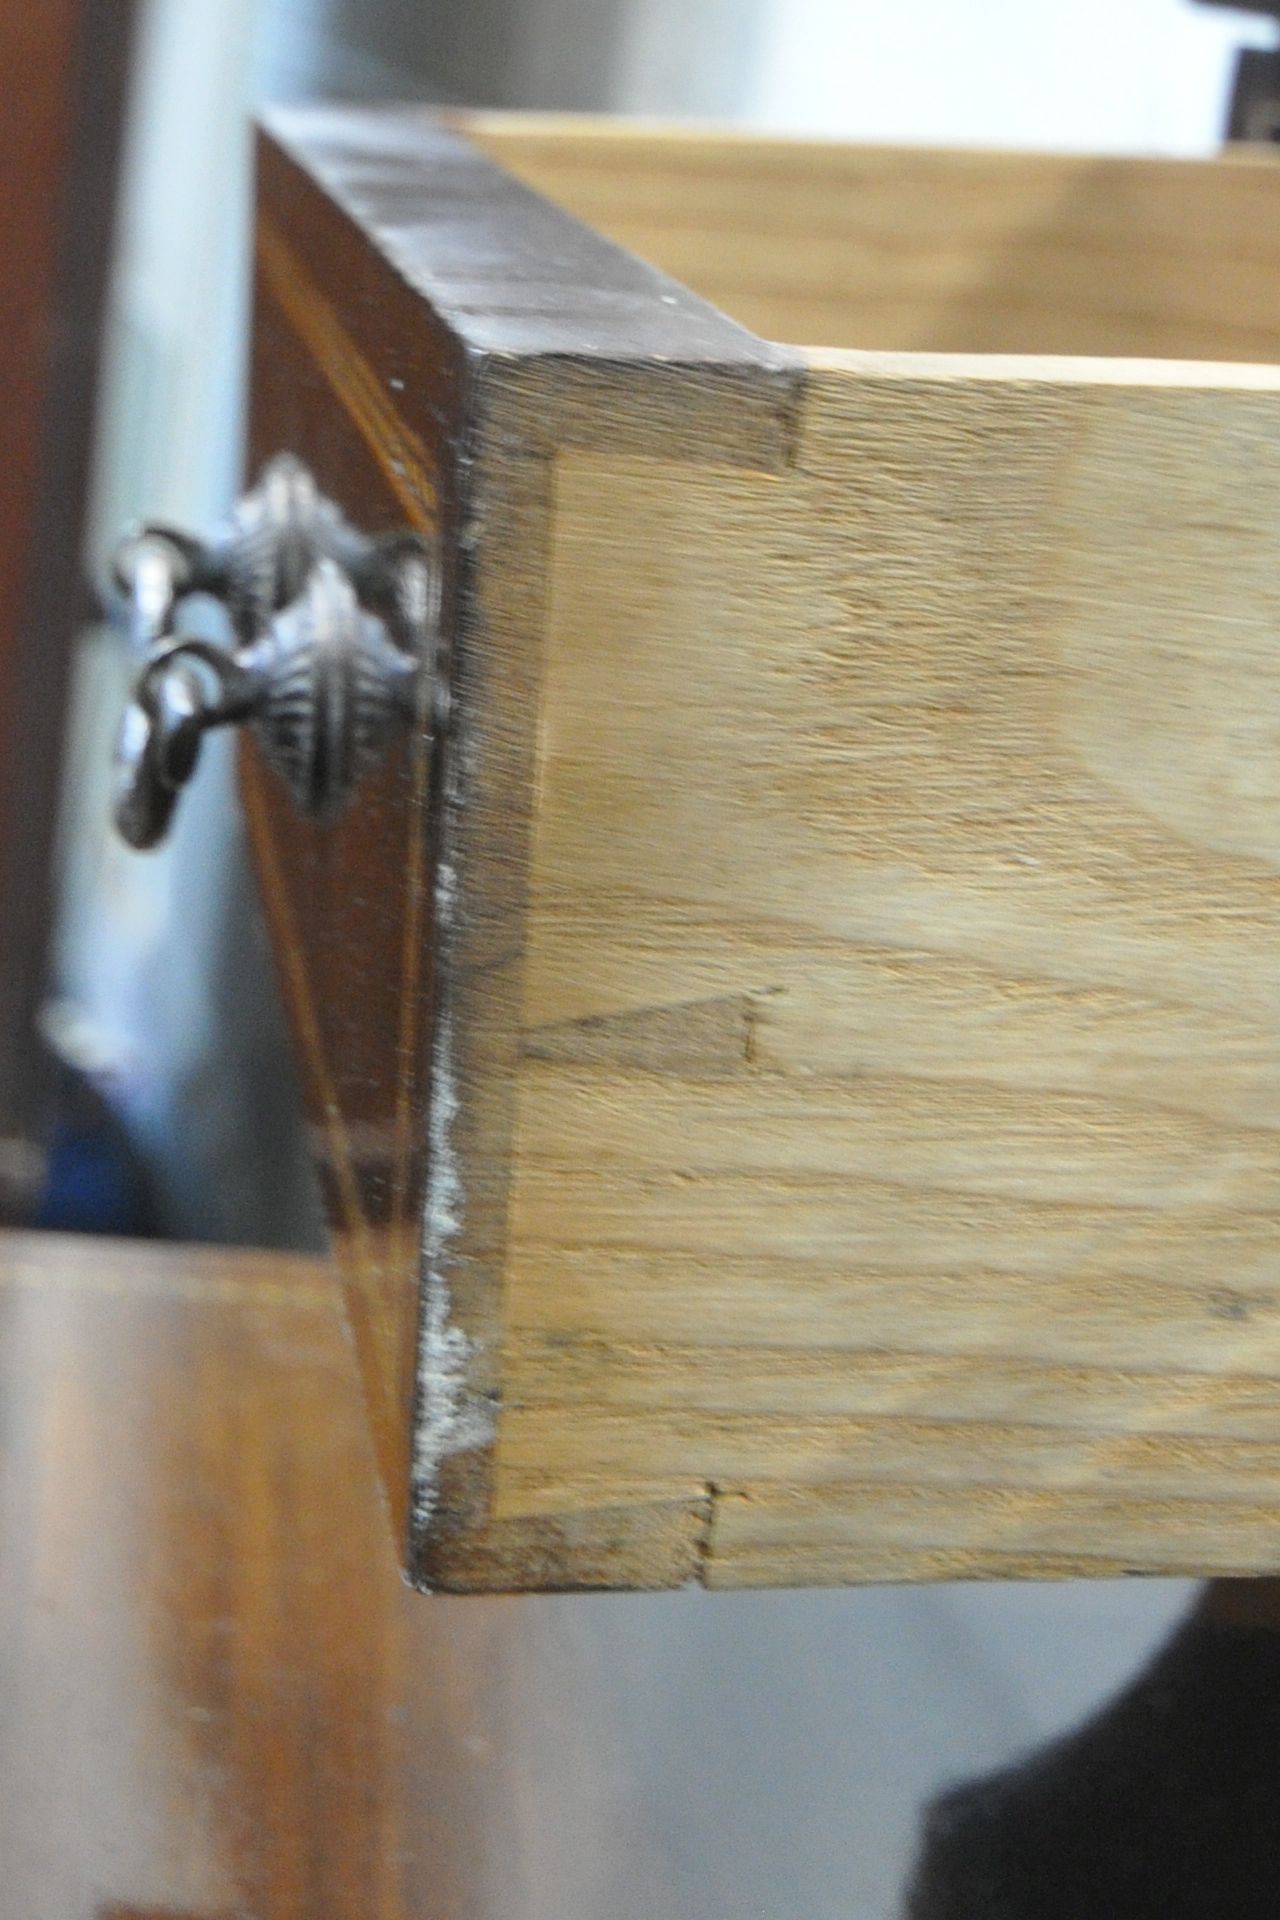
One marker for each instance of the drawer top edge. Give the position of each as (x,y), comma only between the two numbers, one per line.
(508,272)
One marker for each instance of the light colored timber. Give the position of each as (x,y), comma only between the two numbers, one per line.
(849,1146)
(917,248)
(897,1172)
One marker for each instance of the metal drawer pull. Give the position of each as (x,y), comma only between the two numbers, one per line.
(333,635)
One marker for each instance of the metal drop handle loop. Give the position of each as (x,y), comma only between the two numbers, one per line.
(333,630)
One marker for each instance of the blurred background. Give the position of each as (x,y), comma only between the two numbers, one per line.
(160,983)
(161,1098)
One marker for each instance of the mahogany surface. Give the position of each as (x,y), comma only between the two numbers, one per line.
(412,301)
(219,1698)
(65,65)
(219,1701)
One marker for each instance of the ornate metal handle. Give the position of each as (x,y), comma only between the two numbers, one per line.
(333,631)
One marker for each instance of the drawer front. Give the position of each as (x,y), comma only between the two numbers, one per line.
(793,1056)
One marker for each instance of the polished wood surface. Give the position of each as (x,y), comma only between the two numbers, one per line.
(896,1169)
(928,249)
(220,1701)
(65,66)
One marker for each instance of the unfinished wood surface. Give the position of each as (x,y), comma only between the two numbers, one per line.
(799,1078)
(916,248)
(898,1167)
(426,334)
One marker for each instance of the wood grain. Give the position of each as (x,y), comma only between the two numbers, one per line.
(840,1115)
(910,1193)
(220,1698)
(350,908)
(66,64)
(426,332)
(929,249)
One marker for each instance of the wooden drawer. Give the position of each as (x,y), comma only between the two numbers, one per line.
(796,1058)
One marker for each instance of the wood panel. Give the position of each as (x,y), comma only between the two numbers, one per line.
(897,1161)
(836,1108)
(66,66)
(929,249)
(220,1698)
(351,907)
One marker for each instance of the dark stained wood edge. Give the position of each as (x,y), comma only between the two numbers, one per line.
(549,337)
(506,271)
(413,429)
(67,74)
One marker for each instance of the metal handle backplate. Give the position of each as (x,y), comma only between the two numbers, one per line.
(332,631)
